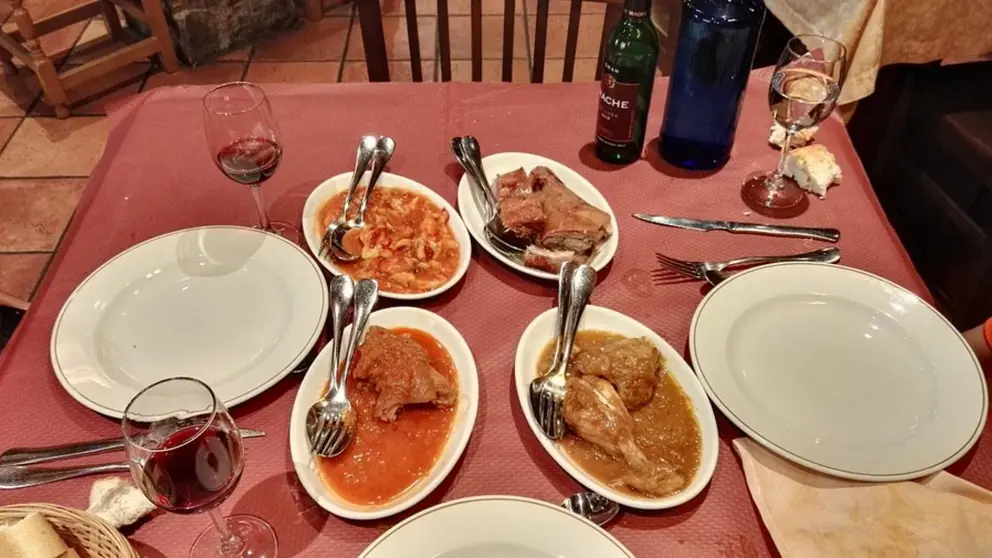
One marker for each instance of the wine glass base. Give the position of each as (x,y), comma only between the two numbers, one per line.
(285,230)
(258,540)
(760,190)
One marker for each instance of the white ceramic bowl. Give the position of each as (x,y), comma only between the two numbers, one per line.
(501,163)
(541,331)
(461,428)
(332,186)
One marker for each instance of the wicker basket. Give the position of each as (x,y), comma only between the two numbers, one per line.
(85,533)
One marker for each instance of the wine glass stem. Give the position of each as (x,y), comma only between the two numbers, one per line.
(230,543)
(263,218)
(776,179)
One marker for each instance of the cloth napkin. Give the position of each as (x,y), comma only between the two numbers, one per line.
(810,515)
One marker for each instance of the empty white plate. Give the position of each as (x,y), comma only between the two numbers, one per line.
(536,337)
(235,307)
(496,527)
(839,370)
(502,163)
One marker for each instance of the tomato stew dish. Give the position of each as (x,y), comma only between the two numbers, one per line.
(407,244)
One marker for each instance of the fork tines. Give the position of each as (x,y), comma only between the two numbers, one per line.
(688,268)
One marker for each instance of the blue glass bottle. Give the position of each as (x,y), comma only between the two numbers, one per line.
(713,56)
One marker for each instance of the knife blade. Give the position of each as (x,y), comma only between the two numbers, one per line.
(28,456)
(814,233)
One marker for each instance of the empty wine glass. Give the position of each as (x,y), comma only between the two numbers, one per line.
(244,141)
(186,455)
(803,92)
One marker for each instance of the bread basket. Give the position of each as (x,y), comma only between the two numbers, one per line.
(87,534)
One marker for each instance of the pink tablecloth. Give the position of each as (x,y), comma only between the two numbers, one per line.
(157,176)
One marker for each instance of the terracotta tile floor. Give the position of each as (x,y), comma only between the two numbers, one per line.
(44,162)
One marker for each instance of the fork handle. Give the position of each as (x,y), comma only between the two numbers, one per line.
(366,295)
(823,255)
(365,150)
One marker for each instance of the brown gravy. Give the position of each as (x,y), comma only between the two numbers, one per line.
(665,428)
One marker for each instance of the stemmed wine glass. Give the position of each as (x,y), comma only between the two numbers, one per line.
(803,92)
(244,141)
(186,455)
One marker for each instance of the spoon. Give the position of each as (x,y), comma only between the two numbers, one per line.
(380,157)
(466,151)
(547,392)
(365,149)
(594,507)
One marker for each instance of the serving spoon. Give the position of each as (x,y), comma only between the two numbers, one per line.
(383,151)
(331,421)
(547,392)
(467,153)
(365,150)
(595,507)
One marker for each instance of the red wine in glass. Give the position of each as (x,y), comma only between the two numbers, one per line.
(186,455)
(190,473)
(249,160)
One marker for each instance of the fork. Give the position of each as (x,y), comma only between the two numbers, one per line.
(365,149)
(331,421)
(547,392)
(698,270)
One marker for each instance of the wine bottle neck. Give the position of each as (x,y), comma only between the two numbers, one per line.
(636,8)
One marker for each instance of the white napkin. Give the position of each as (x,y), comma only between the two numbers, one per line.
(118,502)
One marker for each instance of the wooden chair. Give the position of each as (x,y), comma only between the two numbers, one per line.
(370,20)
(58,87)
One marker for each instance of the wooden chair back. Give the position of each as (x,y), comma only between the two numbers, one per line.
(370,20)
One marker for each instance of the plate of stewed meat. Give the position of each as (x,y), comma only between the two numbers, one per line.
(552,212)
(640,429)
(415,391)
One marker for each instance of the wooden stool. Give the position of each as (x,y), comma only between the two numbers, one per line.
(58,87)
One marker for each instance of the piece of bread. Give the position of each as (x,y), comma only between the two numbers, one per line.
(118,502)
(814,168)
(799,139)
(31,537)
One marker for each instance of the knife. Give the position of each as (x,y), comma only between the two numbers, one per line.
(826,235)
(27,456)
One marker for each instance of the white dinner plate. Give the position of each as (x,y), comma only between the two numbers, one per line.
(536,337)
(496,527)
(332,186)
(234,307)
(461,427)
(501,163)
(839,370)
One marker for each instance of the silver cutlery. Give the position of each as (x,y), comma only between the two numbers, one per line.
(699,270)
(814,233)
(27,456)
(380,157)
(547,392)
(595,507)
(20,476)
(331,421)
(466,151)
(365,149)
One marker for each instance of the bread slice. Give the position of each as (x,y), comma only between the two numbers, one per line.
(799,139)
(118,502)
(31,537)
(814,168)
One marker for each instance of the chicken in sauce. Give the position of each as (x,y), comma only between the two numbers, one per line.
(630,425)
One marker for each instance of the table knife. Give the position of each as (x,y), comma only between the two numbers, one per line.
(27,456)
(826,235)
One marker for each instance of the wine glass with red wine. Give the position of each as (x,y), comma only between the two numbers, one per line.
(244,142)
(186,455)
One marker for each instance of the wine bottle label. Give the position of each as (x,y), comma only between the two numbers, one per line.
(617,107)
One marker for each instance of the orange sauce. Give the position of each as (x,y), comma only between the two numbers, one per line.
(385,459)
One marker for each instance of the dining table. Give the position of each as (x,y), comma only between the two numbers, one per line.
(157,176)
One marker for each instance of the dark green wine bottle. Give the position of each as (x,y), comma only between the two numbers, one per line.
(628,77)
